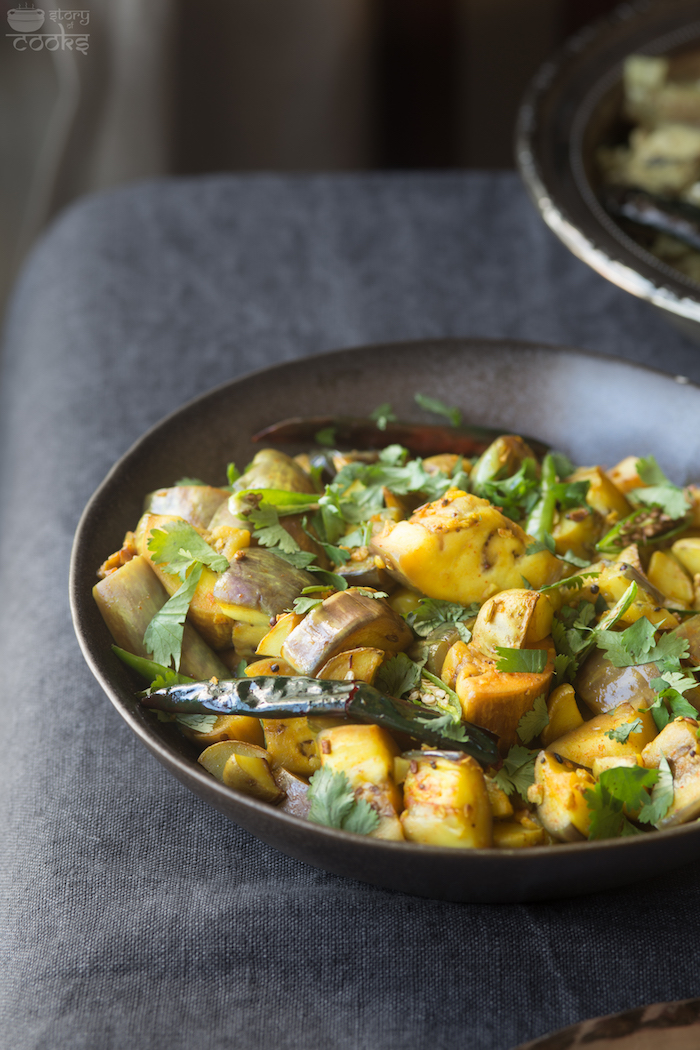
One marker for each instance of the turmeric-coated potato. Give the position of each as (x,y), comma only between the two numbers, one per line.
(462,549)
(447,802)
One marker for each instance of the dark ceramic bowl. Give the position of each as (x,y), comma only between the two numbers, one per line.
(573,106)
(595,409)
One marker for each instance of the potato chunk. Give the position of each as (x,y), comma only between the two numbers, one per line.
(591,740)
(462,549)
(366,753)
(447,802)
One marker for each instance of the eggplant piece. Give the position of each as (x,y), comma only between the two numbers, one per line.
(243,767)
(273,697)
(197,504)
(258,586)
(129,598)
(422,439)
(559,792)
(346,620)
(271,469)
(366,573)
(502,459)
(603,687)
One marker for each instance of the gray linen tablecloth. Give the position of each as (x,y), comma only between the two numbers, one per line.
(133,914)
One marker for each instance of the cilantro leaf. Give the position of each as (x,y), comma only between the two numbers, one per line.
(299,559)
(661,796)
(305,604)
(622,734)
(668,651)
(517,772)
(526,661)
(333,803)
(382,415)
(446,726)
(617,788)
(545,544)
(650,472)
(177,545)
(629,647)
(517,495)
(434,612)
(268,531)
(325,437)
(439,408)
(533,722)
(672,500)
(164,633)
(398,675)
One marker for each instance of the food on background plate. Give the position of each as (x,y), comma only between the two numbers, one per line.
(652,180)
(492,649)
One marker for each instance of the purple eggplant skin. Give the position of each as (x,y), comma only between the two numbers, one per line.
(197,504)
(422,439)
(603,687)
(129,598)
(260,581)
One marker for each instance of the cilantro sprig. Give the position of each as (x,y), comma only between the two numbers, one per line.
(517,772)
(333,803)
(626,788)
(439,408)
(432,613)
(182,551)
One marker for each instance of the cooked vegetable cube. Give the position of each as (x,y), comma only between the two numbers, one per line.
(243,767)
(447,802)
(494,699)
(258,586)
(600,737)
(129,599)
(563,713)
(558,793)
(669,576)
(354,665)
(348,619)
(291,743)
(461,548)
(513,619)
(366,753)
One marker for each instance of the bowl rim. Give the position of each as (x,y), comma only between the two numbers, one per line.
(222,797)
(671,292)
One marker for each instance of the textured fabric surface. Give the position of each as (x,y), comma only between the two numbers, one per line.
(133,914)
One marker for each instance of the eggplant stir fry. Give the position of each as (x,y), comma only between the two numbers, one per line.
(652,180)
(495,650)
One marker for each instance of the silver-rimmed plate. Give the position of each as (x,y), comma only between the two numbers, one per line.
(571,107)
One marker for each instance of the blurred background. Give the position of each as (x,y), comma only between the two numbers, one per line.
(117,90)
